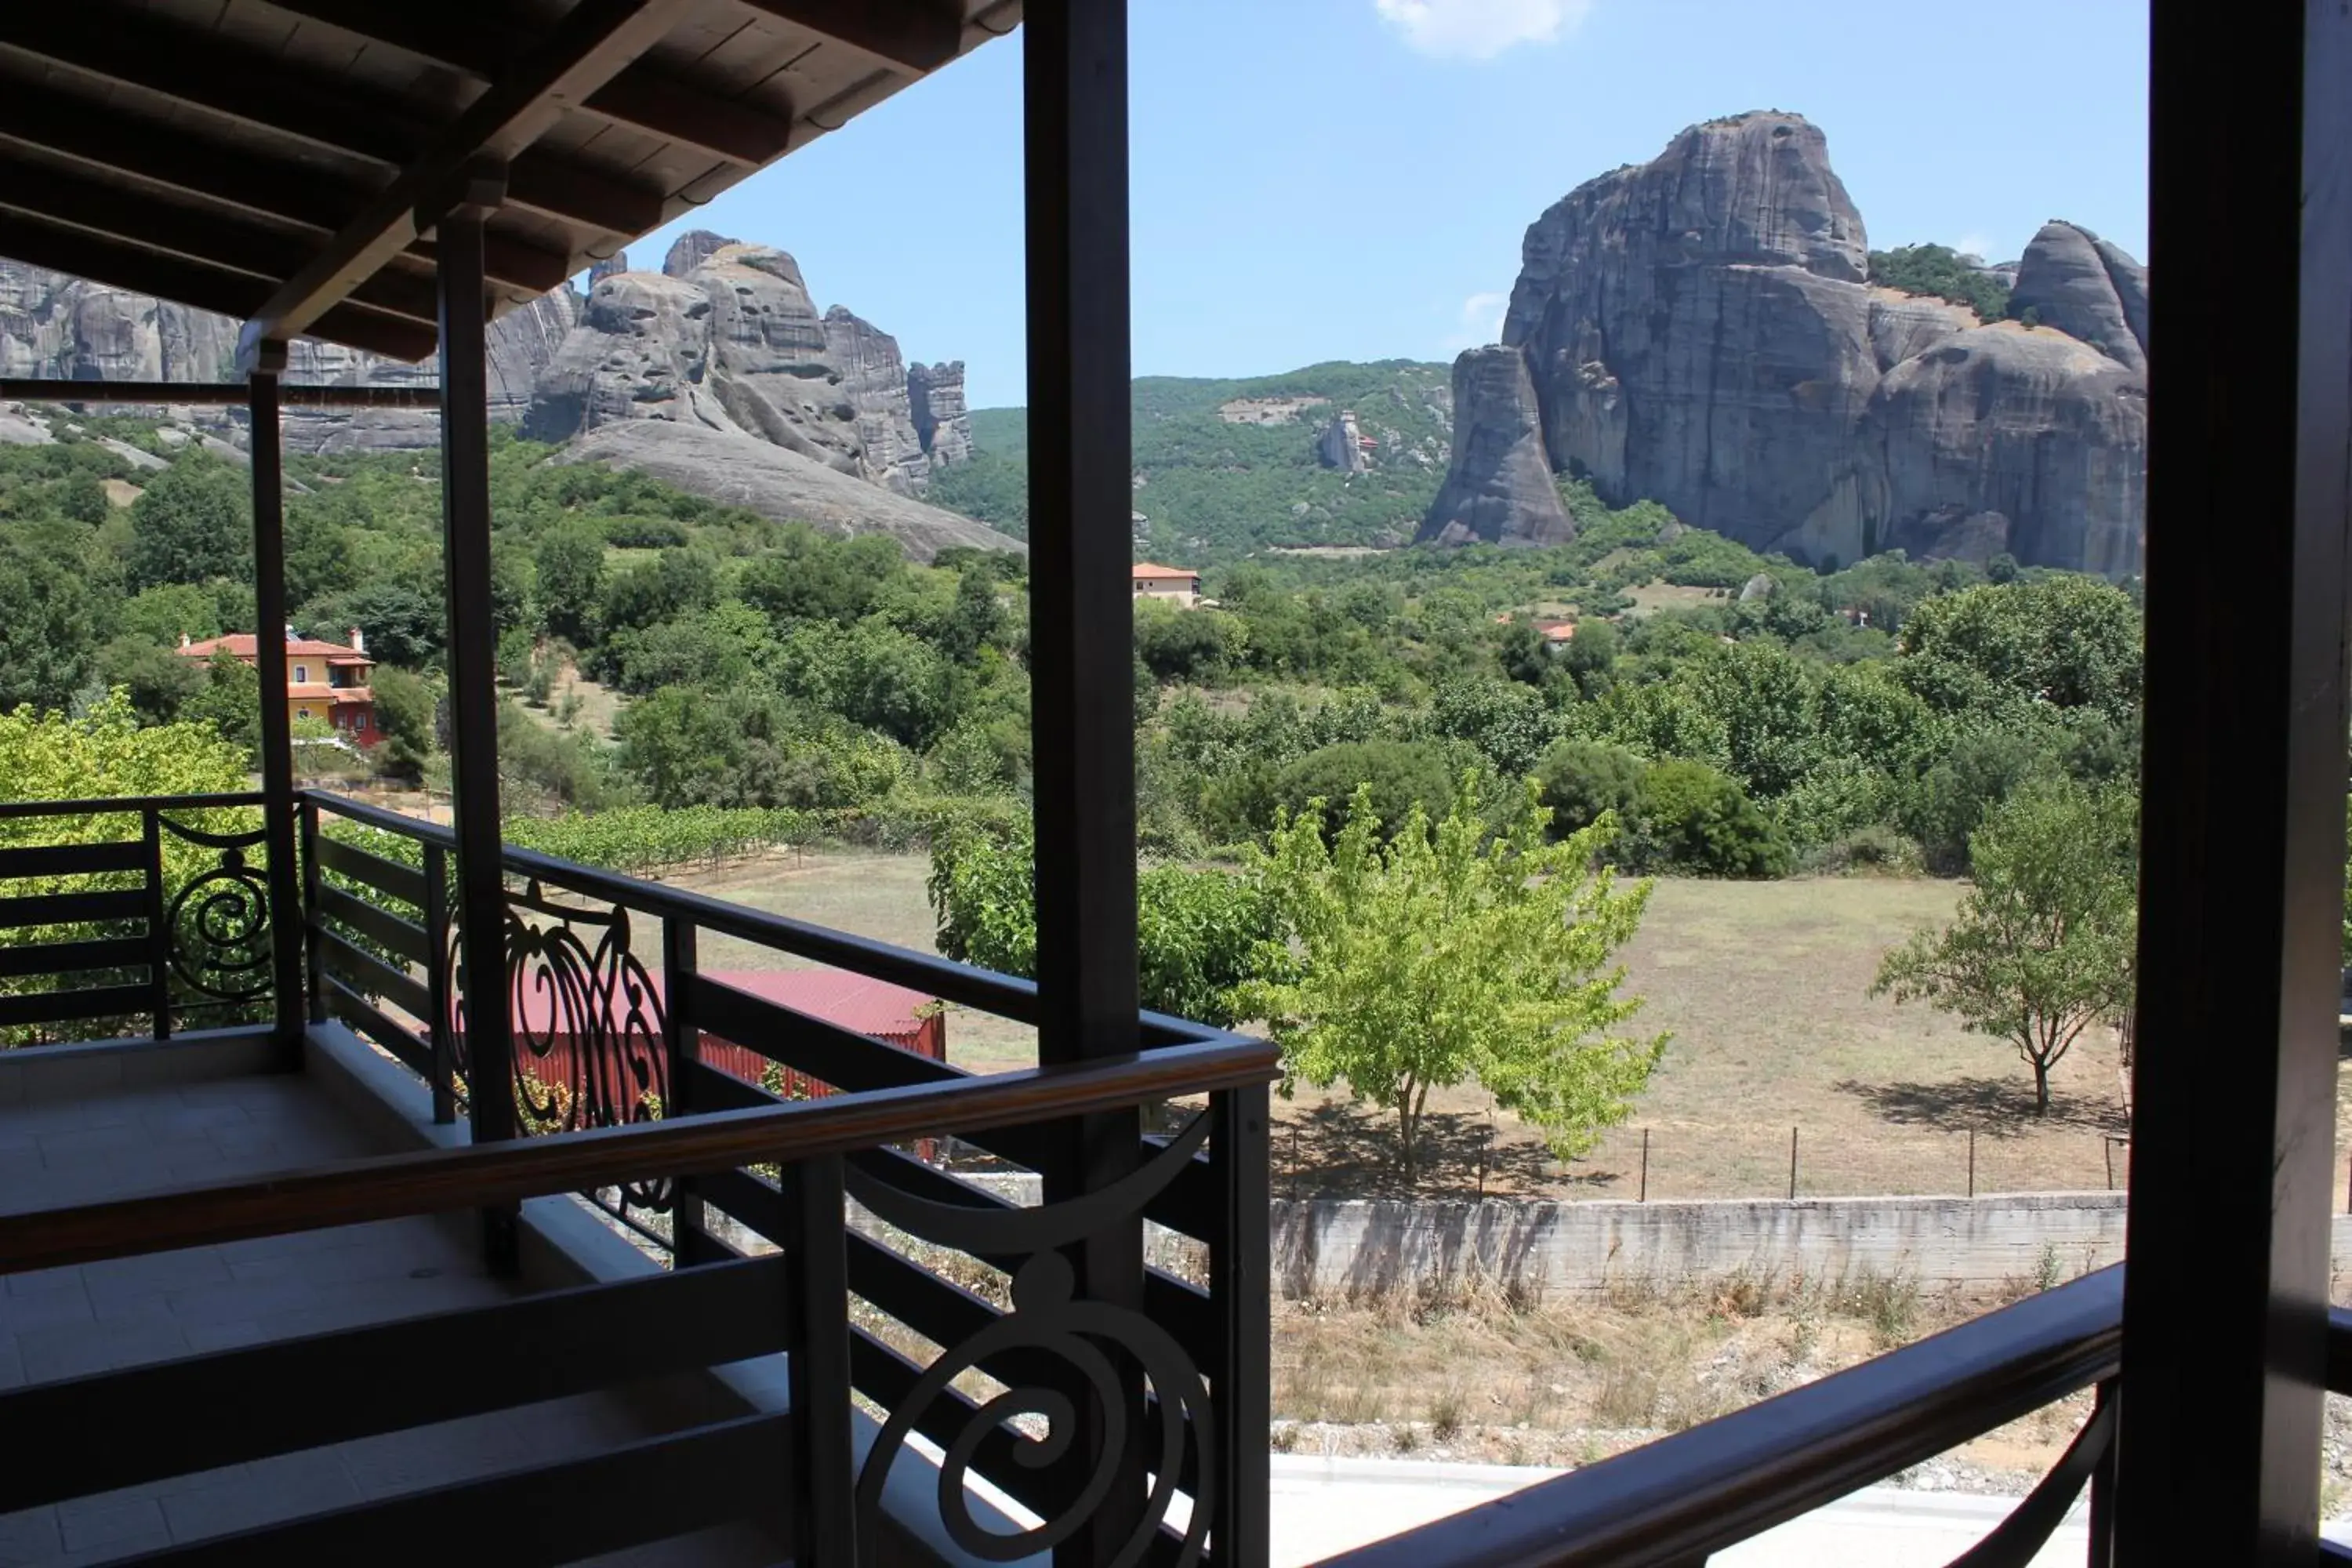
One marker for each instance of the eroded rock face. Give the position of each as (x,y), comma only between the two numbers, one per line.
(935,401)
(740,469)
(1501,481)
(1341,444)
(691,250)
(2071,279)
(1699,330)
(738,344)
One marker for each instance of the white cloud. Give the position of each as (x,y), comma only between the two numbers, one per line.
(1480,322)
(1481,29)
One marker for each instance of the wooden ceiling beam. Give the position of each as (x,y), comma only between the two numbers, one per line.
(255,88)
(643,97)
(84,254)
(593,43)
(285,194)
(911,35)
(119,214)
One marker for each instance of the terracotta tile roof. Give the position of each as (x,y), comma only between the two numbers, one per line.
(241,646)
(1146,568)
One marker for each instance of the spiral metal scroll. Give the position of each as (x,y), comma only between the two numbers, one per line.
(218,925)
(590,1041)
(1091,1339)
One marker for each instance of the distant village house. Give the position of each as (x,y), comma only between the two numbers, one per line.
(1175,585)
(328,681)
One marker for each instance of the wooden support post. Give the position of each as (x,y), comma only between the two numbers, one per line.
(689,1244)
(269,632)
(1081,619)
(482,903)
(1792,1164)
(825,1472)
(1645,1197)
(314,964)
(439,979)
(159,935)
(2241,850)
(1240,1283)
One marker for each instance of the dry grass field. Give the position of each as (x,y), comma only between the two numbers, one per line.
(1763,987)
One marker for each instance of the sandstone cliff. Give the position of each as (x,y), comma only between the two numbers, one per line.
(1700,330)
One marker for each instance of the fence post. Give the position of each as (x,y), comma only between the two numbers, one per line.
(1972,1161)
(314,970)
(824,1482)
(438,1037)
(1645,1167)
(159,936)
(1240,1288)
(1792,1164)
(682,1043)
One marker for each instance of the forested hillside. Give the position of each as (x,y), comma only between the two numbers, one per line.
(1226,467)
(1741,714)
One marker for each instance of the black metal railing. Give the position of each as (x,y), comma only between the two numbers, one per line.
(954,1284)
(130,916)
(1682,1498)
(798,1472)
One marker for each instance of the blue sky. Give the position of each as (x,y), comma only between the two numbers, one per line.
(1349,179)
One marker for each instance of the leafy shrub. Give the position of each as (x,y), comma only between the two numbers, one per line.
(1579,780)
(1688,818)
(1399,774)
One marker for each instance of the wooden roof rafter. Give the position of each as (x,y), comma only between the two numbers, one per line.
(203,150)
(85,255)
(643,95)
(592,45)
(283,195)
(204,73)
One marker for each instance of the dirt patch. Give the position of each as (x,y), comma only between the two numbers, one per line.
(1652,597)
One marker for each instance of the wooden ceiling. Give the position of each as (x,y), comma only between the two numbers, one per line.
(270,159)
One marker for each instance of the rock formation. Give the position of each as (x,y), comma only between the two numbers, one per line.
(691,250)
(1341,444)
(1699,330)
(616,262)
(1500,486)
(935,402)
(737,344)
(726,338)
(2071,279)
(777,481)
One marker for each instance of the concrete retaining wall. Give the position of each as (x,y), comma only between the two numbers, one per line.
(1368,1247)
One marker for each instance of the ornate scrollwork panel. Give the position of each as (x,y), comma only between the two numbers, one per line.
(1091,1339)
(590,1042)
(218,929)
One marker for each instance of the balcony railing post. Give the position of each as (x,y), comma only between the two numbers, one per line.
(1239,1283)
(825,1472)
(159,935)
(683,1043)
(438,1036)
(314,975)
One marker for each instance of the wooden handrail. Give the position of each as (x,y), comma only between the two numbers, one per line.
(439,1181)
(1713,1485)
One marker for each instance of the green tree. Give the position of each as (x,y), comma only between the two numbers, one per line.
(228,704)
(155,678)
(1580,780)
(1440,956)
(2042,944)
(193,523)
(47,631)
(1393,776)
(570,580)
(405,708)
(318,559)
(1689,817)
